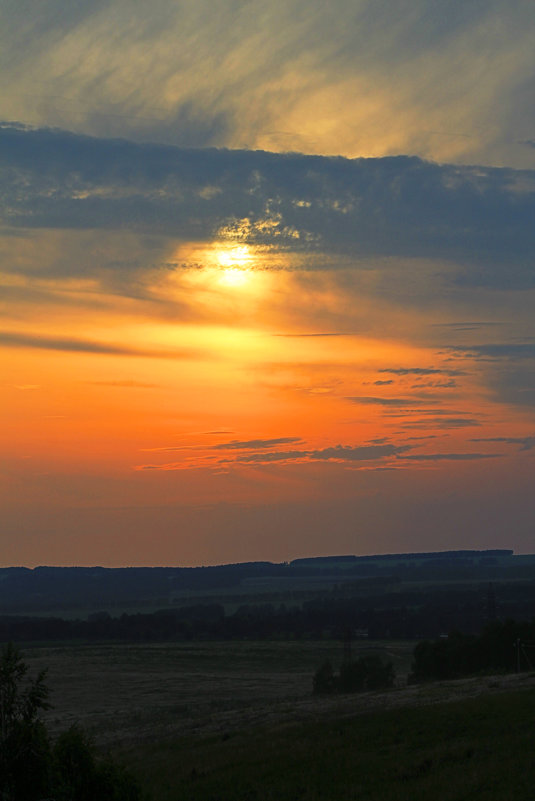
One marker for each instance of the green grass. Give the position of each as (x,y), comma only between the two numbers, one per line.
(475,749)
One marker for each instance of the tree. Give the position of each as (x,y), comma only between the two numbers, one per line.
(80,775)
(31,766)
(324,680)
(24,747)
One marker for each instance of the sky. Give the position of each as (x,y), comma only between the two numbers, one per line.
(266,279)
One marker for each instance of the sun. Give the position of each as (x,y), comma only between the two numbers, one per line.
(235,257)
(236,262)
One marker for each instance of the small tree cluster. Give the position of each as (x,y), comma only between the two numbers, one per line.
(368,672)
(32,767)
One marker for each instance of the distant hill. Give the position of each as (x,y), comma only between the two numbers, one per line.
(48,589)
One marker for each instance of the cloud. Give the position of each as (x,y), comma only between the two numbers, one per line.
(391,207)
(508,369)
(403,402)
(255,443)
(470,325)
(338,453)
(324,334)
(273,456)
(454,457)
(498,351)
(360,453)
(441,384)
(526,443)
(21,340)
(420,371)
(288,75)
(444,423)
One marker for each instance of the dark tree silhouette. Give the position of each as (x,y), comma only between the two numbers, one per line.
(31,766)
(24,746)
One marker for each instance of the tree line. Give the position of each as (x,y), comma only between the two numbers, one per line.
(388,613)
(503,646)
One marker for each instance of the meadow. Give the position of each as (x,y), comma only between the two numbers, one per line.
(237,721)
(130,692)
(480,748)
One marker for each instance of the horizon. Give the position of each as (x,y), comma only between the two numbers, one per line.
(415,554)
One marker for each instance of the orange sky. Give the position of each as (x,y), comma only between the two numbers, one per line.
(258,300)
(252,401)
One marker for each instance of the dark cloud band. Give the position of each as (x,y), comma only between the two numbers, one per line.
(395,206)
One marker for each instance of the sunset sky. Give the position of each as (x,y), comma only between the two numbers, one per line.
(266,279)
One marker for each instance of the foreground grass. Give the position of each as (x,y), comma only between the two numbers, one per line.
(481,748)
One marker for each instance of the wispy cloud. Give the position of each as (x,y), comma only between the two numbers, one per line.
(402,402)
(444,423)
(324,334)
(526,443)
(338,453)
(216,76)
(452,457)
(423,371)
(498,350)
(22,340)
(255,443)
(436,384)
(360,453)
(348,454)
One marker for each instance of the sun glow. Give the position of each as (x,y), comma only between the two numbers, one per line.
(235,257)
(236,262)
(234,276)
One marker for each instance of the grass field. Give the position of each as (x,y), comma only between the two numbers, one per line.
(236,721)
(122,692)
(473,749)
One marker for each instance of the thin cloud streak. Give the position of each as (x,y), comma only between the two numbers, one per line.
(525,443)
(402,371)
(451,457)
(21,340)
(255,443)
(376,401)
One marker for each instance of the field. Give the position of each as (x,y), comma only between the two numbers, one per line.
(478,748)
(236,721)
(131,692)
